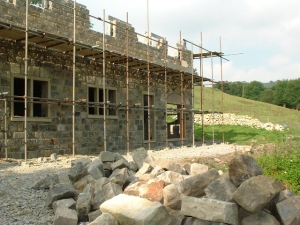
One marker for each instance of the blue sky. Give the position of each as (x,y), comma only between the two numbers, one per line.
(266,32)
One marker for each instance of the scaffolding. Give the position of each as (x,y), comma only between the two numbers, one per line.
(76,48)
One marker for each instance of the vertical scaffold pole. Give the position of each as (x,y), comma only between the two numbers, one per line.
(193,102)
(25,83)
(222,89)
(181,91)
(5,127)
(212,98)
(74,68)
(104,84)
(127,86)
(202,86)
(166,91)
(148,77)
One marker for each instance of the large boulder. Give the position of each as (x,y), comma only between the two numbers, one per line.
(83,206)
(139,155)
(94,171)
(94,215)
(82,182)
(120,164)
(145,168)
(105,219)
(119,176)
(77,171)
(111,190)
(242,167)
(195,185)
(150,189)
(197,168)
(65,216)
(135,210)
(195,221)
(170,177)
(84,161)
(261,218)
(255,193)
(289,210)
(106,156)
(98,199)
(61,177)
(67,203)
(172,197)
(221,189)
(210,209)
(60,191)
(176,167)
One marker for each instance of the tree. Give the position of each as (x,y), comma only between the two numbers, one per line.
(279,90)
(267,96)
(253,90)
(292,93)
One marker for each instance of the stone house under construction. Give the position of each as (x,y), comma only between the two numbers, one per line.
(121,90)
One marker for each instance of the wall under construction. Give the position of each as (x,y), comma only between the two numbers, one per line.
(122,105)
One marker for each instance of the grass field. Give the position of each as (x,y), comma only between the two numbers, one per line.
(283,161)
(240,106)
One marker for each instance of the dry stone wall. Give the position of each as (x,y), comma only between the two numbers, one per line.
(232,119)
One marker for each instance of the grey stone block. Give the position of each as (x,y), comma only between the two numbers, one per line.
(242,167)
(128,210)
(65,216)
(289,210)
(60,191)
(255,193)
(210,209)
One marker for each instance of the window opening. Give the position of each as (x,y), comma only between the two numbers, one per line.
(35,88)
(96,95)
(152,118)
(175,126)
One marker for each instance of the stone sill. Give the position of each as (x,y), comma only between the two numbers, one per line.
(101,117)
(31,119)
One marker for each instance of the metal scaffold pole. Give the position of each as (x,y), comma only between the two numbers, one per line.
(148,77)
(127,86)
(202,86)
(212,98)
(5,127)
(166,91)
(104,84)
(73,85)
(193,102)
(181,91)
(25,83)
(222,89)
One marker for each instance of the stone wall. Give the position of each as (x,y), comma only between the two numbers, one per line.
(232,119)
(55,135)
(57,19)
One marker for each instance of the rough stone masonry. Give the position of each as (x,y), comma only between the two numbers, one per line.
(50,72)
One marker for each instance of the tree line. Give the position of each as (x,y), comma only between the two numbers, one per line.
(284,93)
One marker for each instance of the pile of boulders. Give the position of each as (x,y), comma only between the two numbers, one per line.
(232,119)
(111,190)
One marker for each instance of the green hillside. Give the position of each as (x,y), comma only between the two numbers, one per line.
(240,106)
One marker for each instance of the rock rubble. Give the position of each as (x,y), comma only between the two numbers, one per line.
(159,192)
(232,119)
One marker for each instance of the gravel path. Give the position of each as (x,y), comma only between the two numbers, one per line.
(21,205)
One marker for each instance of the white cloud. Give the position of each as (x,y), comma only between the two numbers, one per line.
(267,32)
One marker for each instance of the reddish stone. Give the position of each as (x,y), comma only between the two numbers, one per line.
(150,189)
